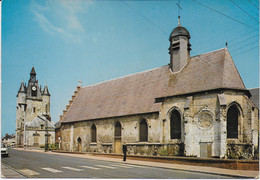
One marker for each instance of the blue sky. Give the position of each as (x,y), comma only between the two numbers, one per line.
(95,41)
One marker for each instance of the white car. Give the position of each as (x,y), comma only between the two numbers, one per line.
(4,150)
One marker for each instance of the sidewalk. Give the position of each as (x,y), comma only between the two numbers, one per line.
(8,172)
(201,169)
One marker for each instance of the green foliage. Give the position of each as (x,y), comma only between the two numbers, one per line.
(163,152)
(53,146)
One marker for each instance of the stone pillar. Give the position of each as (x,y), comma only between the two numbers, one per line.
(254,122)
(71,137)
(188,137)
(223,131)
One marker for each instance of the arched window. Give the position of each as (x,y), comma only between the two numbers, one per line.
(93,133)
(175,125)
(118,129)
(232,122)
(143,131)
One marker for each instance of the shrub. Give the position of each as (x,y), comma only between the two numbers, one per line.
(163,152)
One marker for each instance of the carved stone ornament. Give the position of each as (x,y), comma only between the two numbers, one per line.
(205,120)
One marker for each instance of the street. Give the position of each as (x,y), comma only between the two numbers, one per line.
(41,165)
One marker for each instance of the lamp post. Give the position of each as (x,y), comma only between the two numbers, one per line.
(46,135)
(24,135)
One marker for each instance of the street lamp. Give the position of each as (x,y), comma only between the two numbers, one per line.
(24,132)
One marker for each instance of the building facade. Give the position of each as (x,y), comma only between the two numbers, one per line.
(194,106)
(32,102)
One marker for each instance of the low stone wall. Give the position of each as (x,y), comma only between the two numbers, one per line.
(155,149)
(220,163)
(240,151)
(211,162)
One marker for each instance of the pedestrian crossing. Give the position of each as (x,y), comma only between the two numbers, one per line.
(95,167)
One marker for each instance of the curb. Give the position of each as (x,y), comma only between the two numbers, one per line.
(12,169)
(113,159)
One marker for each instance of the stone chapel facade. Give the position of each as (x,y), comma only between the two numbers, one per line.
(194,106)
(33,114)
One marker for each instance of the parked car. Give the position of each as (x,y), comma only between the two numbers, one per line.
(4,150)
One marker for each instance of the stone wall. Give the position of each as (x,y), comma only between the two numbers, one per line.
(203,125)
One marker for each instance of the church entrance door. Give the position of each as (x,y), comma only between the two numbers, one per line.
(118,146)
(36,141)
(205,150)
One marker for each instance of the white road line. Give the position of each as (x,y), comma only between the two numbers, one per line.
(51,170)
(71,168)
(29,172)
(90,167)
(120,165)
(106,166)
(134,166)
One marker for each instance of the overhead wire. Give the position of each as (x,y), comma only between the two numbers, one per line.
(147,19)
(246,45)
(246,51)
(243,40)
(243,10)
(223,14)
(251,10)
(253,4)
(140,14)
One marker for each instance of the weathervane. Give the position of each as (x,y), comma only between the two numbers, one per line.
(179,13)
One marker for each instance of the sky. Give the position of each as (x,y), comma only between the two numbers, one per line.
(94,41)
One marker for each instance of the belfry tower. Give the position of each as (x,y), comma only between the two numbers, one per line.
(179,49)
(32,101)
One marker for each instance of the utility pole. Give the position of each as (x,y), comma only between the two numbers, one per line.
(46,136)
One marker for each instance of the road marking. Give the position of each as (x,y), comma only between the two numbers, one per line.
(71,168)
(29,172)
(51,170)
(134,166)
(106,166)
(121,165)
(90,167)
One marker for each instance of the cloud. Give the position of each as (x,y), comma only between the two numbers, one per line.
(60,17)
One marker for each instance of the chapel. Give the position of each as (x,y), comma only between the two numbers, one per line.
(194,106)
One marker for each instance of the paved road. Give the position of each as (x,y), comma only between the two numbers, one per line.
(41,165)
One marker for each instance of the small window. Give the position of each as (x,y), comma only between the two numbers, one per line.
(42,126)
(93,133)
(34,109)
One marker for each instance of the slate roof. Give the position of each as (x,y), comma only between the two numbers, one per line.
(38,121)
(255,96)
(136,93)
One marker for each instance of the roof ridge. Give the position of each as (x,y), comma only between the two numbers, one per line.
(124,76)
(209,52)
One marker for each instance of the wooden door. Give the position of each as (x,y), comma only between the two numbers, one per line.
(118,146)
(205,150)
(36,141)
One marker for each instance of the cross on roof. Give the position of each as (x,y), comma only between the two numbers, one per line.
(179,13)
